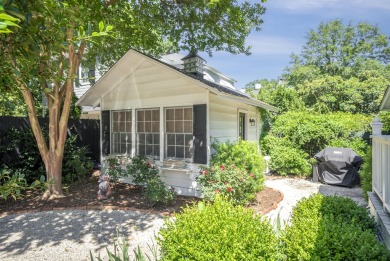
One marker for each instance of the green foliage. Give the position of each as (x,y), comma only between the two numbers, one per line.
(328,228)
(7,20)
(243,154)
(76,163)
(342,68)
(141,170)
(384,117)
(366,173)
(157,192)
(23,153)
(218,231)
(276,93)
(12,185)
(25,157)
(297,136)
(114,168)
(234,183)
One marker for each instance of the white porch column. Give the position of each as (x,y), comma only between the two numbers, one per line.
(376,127)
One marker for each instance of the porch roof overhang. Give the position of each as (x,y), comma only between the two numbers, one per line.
(385,103)
(133,59)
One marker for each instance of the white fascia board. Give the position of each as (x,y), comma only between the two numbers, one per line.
(252,102)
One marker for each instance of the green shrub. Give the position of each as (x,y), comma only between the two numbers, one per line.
(218,231)
(304,133)
(157,192)
(366,173)
(341,207)
(26,158)
(331,228)
(141,170)
(288,160)
(114,168)
(12,185)
(233,183)
(243,154)
(76,163)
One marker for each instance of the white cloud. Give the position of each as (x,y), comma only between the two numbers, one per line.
(273,45)
(309,5)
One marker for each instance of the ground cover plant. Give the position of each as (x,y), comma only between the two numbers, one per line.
(328,228)
(217,231)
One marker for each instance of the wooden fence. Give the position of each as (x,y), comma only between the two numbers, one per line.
(87,131)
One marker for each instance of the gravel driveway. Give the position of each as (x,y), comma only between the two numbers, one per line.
(294,189)
(71,235)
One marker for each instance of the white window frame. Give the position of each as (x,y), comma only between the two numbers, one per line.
(128,140)
(166,133)
(137,144)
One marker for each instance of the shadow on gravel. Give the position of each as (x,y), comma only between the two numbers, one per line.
(31,231)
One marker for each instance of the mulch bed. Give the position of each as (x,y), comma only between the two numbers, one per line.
(83,195)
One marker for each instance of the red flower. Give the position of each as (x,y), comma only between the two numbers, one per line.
(217,191)
(229,189)
(148,164)
(251,175)
(222,167)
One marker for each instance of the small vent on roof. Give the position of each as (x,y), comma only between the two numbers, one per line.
(193,63)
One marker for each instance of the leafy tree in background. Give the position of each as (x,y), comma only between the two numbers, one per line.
(342,68)
(296,136)
(43,55)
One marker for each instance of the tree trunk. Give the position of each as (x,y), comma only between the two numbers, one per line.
(53,168)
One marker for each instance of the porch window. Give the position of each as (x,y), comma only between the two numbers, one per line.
(121,132)
(148,133)
(179,132)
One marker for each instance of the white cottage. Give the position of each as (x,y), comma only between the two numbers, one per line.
(171,115)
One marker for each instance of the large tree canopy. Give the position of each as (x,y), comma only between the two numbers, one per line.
(342,68)
(43,55)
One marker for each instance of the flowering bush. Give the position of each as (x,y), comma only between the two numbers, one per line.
(234,183)
(141,170)
(114,169)
(242,154)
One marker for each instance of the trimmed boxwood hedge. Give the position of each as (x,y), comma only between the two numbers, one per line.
(331,228)
(218,231)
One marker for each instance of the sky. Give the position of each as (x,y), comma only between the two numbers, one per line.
(286,23)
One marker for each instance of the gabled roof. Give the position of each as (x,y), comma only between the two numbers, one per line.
(117,73)
(385,103)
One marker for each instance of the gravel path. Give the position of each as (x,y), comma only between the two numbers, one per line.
(295,189)
(71,235)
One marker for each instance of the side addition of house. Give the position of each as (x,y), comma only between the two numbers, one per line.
(171,110)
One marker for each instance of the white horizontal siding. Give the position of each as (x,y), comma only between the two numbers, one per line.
(224,119)
(153,86)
